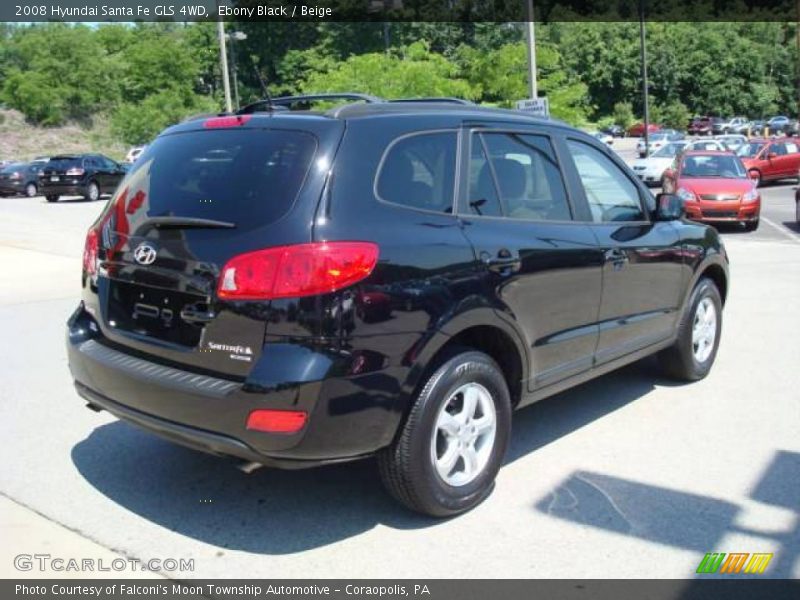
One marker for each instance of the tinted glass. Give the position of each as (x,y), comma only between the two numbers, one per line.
(249,177)
(12,168)
(419,172)
(527,176)
(64,162)
(611,194)
(725,166)
(749,150)
(482,197)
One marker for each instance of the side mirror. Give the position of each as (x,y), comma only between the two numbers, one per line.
(669,207)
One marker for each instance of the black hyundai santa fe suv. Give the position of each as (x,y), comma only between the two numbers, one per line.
(388,279)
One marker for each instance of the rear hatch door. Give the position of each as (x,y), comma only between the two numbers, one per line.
(190,203)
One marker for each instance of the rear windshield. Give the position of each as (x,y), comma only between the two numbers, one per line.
(249,177)
(63,162)
(12,168)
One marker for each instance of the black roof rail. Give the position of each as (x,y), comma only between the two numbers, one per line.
(305,101)
(435,99)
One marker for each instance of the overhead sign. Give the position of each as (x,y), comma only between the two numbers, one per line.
(536,106)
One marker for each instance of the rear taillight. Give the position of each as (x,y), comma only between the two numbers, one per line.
(277,421)
(75,171)
(297,270)
(90,252)
(15,176)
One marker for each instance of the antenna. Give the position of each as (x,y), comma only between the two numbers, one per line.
(263,82)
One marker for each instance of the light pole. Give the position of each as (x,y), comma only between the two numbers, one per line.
(235,36)
(645,96)
(223,58)
(531,36)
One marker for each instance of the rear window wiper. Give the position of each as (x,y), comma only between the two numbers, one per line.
(188,223)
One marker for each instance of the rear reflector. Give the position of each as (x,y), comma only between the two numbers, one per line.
(297,270)
(231,121)
(90,251)
(277,421)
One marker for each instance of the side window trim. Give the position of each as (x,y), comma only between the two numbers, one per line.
(493,173)
(462,205)
(456,170)
(643,204)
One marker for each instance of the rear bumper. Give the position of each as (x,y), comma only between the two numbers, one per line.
(12,189)
(48,189)
(350,416)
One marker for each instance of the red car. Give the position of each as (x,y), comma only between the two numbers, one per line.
(701,126)
(637,129)
(770,160)
(715,187)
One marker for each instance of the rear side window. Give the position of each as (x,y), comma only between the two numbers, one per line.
(527,177)
(611,194)
(418,171)
(249,177)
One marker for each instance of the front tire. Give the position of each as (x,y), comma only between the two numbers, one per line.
(445,458)
(92,192)
(751,225)
(31,190)
(52,198)
(692,355)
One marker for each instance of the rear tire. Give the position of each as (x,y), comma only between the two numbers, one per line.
(446,456)
(52,198)
(692,355)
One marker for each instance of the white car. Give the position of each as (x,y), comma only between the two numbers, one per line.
(657,140)
(603,137)
(651,170)
(134,153)
(707,145)
(732,141)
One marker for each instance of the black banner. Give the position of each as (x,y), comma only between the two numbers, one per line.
(474,11)
(438,589)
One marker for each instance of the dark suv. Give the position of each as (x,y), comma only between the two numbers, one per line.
(390,279)
(87,175)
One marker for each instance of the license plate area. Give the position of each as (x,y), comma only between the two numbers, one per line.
(154,312)
(55,178)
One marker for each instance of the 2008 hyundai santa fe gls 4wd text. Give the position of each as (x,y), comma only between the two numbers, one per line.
(391,279)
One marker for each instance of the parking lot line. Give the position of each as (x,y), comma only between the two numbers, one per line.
(782,230)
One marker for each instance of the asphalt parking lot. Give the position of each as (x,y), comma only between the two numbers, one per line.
(627,476)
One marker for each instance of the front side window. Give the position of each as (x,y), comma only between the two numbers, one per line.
(526,176)
(611,194)
(418,171)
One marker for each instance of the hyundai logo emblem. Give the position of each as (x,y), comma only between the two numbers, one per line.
(145,254)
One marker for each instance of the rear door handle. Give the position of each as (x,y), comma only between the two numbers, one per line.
(503,262)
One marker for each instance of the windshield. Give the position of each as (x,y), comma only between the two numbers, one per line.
(724,166)
(12,168)
(668,151)
(749,150)
(249,177)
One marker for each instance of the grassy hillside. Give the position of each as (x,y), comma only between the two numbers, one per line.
(21,140)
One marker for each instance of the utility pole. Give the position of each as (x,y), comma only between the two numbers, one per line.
(531,35)
(235,36)
(645,97)
(223,58)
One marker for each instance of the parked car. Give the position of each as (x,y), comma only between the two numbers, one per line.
(651,169)
(797,202)
(603,137)
(19,179)
(771,159)
(701,126)
(715,188)
(616,131)
(732,141)
(778,124)
(657,140)
(733,125)
(87,175)
(793,129)
(707,145)
(196,270)
(637,129)
(757,127)
(133,154)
